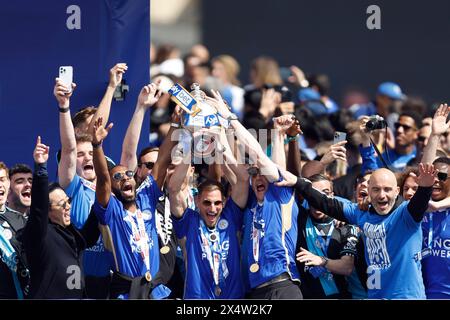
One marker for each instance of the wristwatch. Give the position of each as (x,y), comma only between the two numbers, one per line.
(232,116)
(324,261)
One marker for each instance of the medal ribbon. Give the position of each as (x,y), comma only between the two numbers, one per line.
(164,225)
(141,237)
(257,234)
(88,184)
(213,253)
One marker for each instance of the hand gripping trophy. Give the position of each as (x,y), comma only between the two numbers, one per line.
(201,122)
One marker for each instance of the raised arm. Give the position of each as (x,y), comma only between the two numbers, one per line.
(256,153)
(159,170)
(104,108)
(335,152)
(369,161)
(239,186)
(316,199)
(103,189)
(418,204)
(177,196)
(36,227)
(294,160)
(280,126)
(439,125)
(67,164)
(147,98)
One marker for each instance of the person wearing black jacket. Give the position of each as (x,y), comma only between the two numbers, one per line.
(14,276)
(52,244)
(392,232)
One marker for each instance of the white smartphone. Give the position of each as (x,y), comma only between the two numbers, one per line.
(66,76)
(339,136)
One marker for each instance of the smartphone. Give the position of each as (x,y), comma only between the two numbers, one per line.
(66,76)
(339,136)
(285,73)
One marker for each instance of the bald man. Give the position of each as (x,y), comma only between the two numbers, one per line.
(392,231)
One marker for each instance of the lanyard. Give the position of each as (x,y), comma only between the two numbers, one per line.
(324,244)
(258,225)
(141,237)
(88,184)
(211,246)
(164,223)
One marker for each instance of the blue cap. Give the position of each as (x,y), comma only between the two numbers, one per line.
(391,90)
(310,98)
(308,94)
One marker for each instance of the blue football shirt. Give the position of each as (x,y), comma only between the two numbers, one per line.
(436,267)
(96,260)
(127,257)
(200,283)
(276,218)
(392,244)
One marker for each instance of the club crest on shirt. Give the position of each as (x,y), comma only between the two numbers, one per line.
(7,234)
(223,224)
(147,215)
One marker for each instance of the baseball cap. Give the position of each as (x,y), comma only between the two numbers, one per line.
(391,90)
(308,94)
(310,98)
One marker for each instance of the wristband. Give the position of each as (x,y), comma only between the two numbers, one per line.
(324,261)
(290,138)
(96,145)
(63,110)
(175,125)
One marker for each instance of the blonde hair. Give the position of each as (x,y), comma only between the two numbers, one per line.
(266,71)
(231,67)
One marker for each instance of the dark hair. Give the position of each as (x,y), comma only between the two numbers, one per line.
(147,150)
(442,160)
(19,168)
(414,115)
(321,81)
(404,175)
(415,104)
(82,115)
(52,186)
(4,167)
(320,177)
(84,137)
(210,185)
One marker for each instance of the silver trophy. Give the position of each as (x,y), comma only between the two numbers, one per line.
(202,123)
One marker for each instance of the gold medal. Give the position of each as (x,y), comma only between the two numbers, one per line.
(254,268)
(217,291)
(148,276)
(164,250)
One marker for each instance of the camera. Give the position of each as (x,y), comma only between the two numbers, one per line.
(376,122)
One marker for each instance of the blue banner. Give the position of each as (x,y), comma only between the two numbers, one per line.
(36,37)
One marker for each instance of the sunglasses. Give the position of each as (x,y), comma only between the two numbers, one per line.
(149,165)
(421,138)
(120,175)
(442,176)
(208,203)
(405,127)
(64,204)
(253,171)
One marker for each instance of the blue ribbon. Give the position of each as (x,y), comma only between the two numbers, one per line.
(9,256)
(325,277)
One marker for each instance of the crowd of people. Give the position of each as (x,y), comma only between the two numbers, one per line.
(283,210)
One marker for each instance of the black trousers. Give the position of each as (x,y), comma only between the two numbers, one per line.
(286,289)
(136,288)
(97,287)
